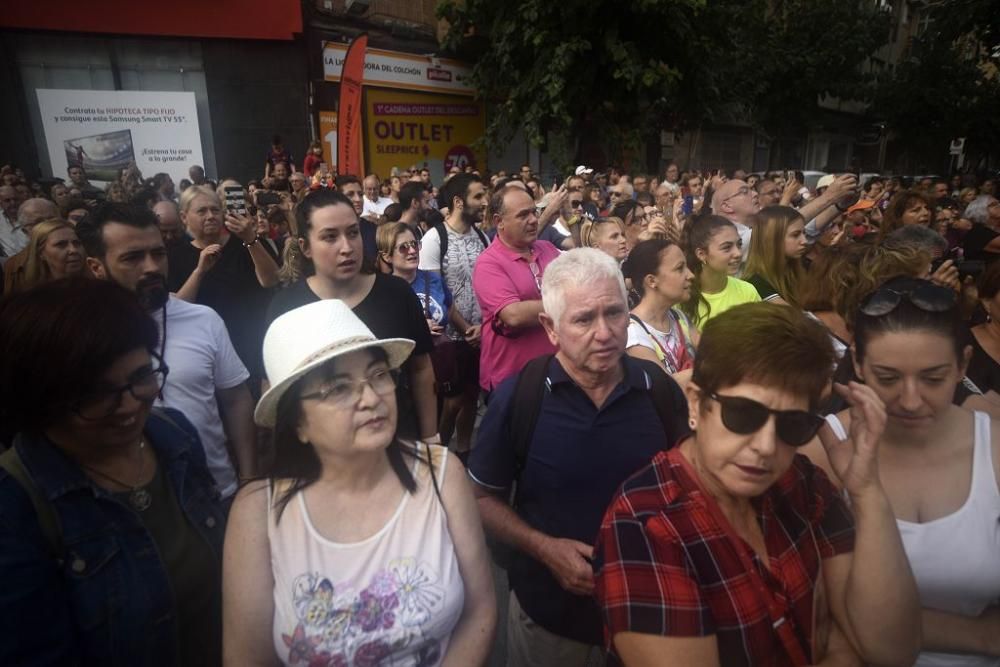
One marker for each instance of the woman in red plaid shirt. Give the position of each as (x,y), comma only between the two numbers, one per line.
(732,550)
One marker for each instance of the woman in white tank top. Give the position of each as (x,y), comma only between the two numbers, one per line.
(360,549)
(938,464)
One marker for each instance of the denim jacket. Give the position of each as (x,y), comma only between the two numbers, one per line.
(108,600)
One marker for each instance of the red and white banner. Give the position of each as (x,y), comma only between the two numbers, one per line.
(349,114)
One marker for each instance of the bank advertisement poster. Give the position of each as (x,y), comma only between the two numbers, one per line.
(432,131)
(105,130)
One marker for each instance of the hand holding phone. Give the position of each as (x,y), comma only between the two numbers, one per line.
(236,202)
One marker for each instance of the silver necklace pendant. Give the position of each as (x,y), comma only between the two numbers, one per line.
(140,499)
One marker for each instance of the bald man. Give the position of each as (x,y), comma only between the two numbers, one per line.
(373,203)
(29,214)
(736,201)
(168,219)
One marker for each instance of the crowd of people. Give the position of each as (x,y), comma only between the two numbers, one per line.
(710,419)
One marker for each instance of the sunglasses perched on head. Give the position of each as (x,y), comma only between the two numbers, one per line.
(925,295)
(745,416)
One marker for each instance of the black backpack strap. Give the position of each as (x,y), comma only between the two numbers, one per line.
(668,401)
(526,407)
(48,520)
(482,237)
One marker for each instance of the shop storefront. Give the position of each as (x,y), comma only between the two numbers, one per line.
(418,111)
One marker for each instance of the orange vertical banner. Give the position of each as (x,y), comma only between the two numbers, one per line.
(349,116)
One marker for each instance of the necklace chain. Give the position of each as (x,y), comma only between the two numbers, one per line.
(139,498)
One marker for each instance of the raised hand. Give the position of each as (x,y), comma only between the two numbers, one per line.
(947,276)
(855,460)
(208,257)
(242,226)
(843,184)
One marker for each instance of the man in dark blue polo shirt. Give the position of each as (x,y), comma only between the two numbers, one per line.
(597,426)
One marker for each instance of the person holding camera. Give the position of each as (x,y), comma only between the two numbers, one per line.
(225,267)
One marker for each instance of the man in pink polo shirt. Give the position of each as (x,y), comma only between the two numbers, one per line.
(507,281)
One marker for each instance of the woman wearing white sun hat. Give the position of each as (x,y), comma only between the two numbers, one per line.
(359,547)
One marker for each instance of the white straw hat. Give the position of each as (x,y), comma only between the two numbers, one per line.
(309,336)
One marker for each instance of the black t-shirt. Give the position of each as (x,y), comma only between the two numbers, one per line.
(231,289)
(975,242)
(390,310)
(764,288)
(984,370)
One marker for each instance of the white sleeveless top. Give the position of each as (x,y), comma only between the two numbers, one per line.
(392,598)
(956,559)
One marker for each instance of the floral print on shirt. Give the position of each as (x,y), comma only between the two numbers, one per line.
(384,623)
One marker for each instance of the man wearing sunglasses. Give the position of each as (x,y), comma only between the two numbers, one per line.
(732,549)
(620,192)
(207,380)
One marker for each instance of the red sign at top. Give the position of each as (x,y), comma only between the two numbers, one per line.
(239,19)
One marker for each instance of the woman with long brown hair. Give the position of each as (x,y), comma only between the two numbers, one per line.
(774,265)
(332,259)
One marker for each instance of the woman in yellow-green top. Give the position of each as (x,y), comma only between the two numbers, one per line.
(714,255)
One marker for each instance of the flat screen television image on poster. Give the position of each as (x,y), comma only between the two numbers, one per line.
(102,155)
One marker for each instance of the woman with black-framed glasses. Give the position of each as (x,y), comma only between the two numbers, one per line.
(731,549)
(110,526)
(939,464)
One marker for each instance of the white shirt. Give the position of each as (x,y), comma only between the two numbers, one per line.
(744,234)
(201,360)
(12,241)
(376,207)
(463,251)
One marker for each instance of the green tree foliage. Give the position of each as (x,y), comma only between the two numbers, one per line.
(622,69)
(947,85)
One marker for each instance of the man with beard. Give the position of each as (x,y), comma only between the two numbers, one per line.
(451,248)
(413,199)
(206,379)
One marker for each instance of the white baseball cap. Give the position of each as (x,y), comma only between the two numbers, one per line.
(582,170)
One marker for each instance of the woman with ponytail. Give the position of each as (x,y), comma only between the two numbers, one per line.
(657,331)
(332,261)
(714,255)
